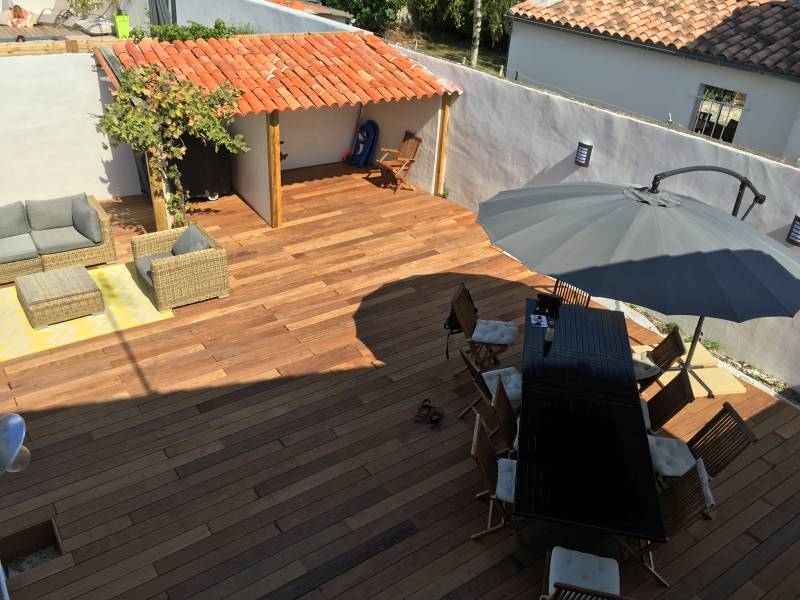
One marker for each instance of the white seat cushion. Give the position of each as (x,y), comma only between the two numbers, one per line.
(583,570)
(643,366)
(516,438)
(506,480)
(645,414)
(494,332)
(671,457)
(512,382)
(705,480)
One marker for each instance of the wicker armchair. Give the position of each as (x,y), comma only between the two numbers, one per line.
(186,278)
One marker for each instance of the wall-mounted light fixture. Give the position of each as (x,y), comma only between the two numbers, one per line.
(794,232)
(584,154)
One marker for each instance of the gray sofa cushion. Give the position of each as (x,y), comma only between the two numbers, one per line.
(60,239)
(191,240)
(17,247)
(13,220)
(50,214)
(85,219)
(144,265)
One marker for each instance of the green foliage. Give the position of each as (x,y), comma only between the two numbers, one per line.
(83,7)
(153,110)
(374,15)
(192,31)
(456,15)
(445,193)
(711,345)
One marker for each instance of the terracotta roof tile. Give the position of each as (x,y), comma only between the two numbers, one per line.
(758,33)
(290,72)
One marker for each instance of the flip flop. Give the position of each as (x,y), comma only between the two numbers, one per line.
(423,412)
(436,418)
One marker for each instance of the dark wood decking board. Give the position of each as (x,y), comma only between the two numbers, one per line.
(262,446)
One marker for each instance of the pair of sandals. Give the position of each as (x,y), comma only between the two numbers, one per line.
(427,413)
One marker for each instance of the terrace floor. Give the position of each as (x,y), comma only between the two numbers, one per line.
(8,33)
(262,446)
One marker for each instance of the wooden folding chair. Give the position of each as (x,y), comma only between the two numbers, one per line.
(506,418)
(484,394)
(717,443)
(394,171)
(662,357)
(499,476)
(668,402)
(682,503)
(486,384)
(486,339)
(570,294)
(563,564)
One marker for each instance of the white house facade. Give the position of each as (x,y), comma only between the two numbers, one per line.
(752,105)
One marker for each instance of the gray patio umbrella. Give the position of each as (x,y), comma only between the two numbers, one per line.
(661,250)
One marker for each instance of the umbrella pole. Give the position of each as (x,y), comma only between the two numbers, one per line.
(687,366)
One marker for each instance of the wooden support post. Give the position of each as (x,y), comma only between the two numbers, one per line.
(157,196)
(441,153)
(274,154)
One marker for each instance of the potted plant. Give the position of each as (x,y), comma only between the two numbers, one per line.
(122,24)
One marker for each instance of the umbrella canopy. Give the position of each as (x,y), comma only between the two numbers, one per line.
(664,251)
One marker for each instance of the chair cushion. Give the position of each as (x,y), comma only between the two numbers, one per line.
(50,214)
(671,457)
(512,382)
(95,26)
(516,437)
(705,481)
(644,367)
(584,570)
(494,332)
(85,219)
(645,413)
(191,240)
(144,265)
(17,247)
(13,220)
(60,239)
(506,480)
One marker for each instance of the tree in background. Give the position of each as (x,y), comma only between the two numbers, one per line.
(476,33)
(456,16)
(374,15)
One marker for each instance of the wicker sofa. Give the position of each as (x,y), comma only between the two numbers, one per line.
(177,280)
(24,248)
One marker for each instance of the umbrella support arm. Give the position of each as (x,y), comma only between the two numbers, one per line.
(744,183)
(687,366)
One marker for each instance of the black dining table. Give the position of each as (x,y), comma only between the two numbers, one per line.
(583,453)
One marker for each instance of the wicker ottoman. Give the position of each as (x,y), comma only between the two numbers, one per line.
(59,295)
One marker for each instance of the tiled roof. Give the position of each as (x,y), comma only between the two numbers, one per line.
(288,72)
(760,33)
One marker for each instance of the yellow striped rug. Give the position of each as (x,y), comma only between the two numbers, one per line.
(127,306)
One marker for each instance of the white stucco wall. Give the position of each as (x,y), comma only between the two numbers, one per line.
(420,117)
(504,135)
(265,17)
(50,142)
(316,136)
(250,170)
(654,84)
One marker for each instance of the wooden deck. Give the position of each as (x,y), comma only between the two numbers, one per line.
(38,32)
(262,446)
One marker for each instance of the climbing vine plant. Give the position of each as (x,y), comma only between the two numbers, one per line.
(153,110)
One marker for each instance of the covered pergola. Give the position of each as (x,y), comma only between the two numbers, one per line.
(344,77)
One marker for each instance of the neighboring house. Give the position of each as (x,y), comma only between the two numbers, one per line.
(317,8)
(727,69)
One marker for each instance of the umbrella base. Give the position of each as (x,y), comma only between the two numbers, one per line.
(692,369)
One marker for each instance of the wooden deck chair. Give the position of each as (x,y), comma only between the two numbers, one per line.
(573,575)
(507,419)
(668,402)
(394,171)
(486,339)
(499,476)
(486,384)
(570,294)
(682,503)
(717,443)
(649,366)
